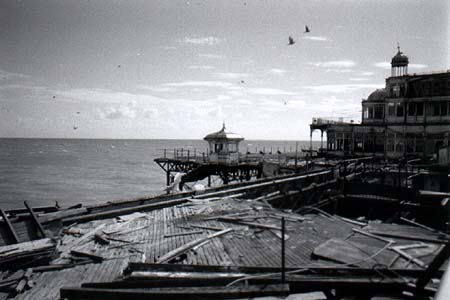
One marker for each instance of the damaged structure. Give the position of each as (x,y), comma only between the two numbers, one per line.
(410,117)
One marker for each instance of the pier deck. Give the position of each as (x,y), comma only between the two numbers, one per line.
(144,238)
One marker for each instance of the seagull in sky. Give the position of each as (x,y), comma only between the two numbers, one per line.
(306,29)
(291,41)
(75,128)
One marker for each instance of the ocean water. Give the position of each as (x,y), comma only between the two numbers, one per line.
(42,171)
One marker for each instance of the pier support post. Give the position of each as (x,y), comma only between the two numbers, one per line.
(283,262)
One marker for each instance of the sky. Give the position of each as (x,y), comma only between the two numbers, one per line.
(179,69)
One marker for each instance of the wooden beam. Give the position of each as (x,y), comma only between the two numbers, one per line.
(186,247)
(174,293)
(35,220)
(122,211)
(437,262)
(9,226)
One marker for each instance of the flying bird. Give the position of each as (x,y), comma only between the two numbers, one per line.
(306,29)
(75,128)
(291,41)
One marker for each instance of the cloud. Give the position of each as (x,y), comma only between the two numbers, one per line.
(387,66)
(201,67)
(210,55)
(342,88)
(417,66)
(168,47)
(367,73)
(118,113)
(277,71)
(315,38)
(5,75)
(382,65)
(334,64)
(358,79)
(204,41)
(200,84)
(230,75)
(340,70)
(268,91)
(159,89)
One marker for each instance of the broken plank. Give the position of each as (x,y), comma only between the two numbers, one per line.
(35,220)
(9,226)
(121,211)
(352,253)
(94,257)
(182,233)
(409,257)
(251,224)
(186,247)
(62,214)
(88,234)
(175,293)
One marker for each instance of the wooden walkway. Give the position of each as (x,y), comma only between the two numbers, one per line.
(255,242)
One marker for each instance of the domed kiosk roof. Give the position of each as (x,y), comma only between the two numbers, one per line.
(399,59)
(378,95)
(223,134)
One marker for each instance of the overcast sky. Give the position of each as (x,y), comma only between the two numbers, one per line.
(178,69)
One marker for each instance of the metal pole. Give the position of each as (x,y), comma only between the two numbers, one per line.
(283,262)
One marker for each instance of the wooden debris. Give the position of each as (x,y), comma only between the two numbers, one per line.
(175,293)
(208,227)
(62,214)
(35,220)
(186,247)
(9,226)
(373,236)
(19,251)
(94,257)
(352,253)
(251,224)
(101,239)
(88,235)
(409,257)
(182,233)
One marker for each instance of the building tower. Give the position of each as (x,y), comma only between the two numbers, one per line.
(399,64)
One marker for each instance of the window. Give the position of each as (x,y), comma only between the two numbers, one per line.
(365,113)
(443,108)
(396,91)
(400,110)
(435,109)
(378,113)
(391,109)
(419,109)
(370,112)
(412,109)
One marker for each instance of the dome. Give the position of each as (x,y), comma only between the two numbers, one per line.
(377,96)
(223,135)
(399,60)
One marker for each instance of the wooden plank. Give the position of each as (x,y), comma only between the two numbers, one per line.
(62,214)
(175,293)
(94,257)
(35,220)
(352,253)
(251,224)
(437,262)
(186,247)
(121,211)
(137,266)
(409,257)
(9,226)
(182,233)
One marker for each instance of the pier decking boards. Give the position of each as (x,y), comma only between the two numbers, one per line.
(127,262)
(147,247)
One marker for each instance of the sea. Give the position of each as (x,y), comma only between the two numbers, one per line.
(87,171)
